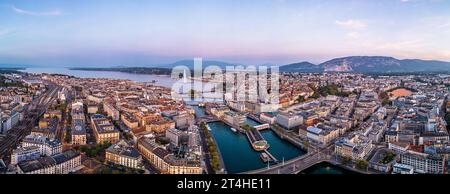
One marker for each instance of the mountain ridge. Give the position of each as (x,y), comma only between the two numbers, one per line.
(369,64)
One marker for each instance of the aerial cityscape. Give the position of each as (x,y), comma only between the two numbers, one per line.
(225,87)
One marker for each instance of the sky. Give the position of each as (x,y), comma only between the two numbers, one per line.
(146,32)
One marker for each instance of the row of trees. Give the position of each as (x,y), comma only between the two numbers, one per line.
(331,89)
(10,83)
(213,151)
(95,150)
(388,157)
(360,164)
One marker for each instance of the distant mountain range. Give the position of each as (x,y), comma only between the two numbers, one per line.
(369,64)
(361,64)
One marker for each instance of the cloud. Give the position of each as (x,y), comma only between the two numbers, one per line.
(445,25)
(34,13)
(403,45)
(352,24)
(4,32)
(354,35)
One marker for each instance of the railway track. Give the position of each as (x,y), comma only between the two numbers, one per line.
(36,109)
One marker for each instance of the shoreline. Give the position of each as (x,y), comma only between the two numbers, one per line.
(122,75)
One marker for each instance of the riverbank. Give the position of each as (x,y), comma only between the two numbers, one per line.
(213,150)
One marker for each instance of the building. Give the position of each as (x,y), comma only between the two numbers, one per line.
(289,120)
(123,154)
(53,113)
(62,163)
(24,154)
(166,162)
(111,111)
(183,121)
(177,137)
(3,167)
(67,162)
(78,132)
(97,98)
(356,147)
(402,169)
(129,121)
(379,161)
(160,126)
(268,118)
(266,107)
(424,163)
(78,124)
(47,128)
(8,122)
(43,165)
(46,146)
(234,119)
(92,108)
(77,112)
(321,136)
(104,130)
(218,111)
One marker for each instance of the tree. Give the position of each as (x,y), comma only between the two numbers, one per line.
(307,144)
(247,127)
(192,93)
(362,164)
(300,99)
(386,101)
(388,157)
(346,160)
(67,136)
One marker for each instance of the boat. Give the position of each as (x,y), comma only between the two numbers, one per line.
(209,129)
(264,157)
(233,129)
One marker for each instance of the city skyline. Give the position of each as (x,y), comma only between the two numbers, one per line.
(136,33)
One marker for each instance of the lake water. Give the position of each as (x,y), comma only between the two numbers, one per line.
(162,80)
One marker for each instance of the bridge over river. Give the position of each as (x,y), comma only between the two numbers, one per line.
(301,163)
(295,165)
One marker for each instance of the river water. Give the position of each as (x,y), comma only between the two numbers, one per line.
(237,152)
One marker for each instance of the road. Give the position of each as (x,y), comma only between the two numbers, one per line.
(206,156)
(31,116)
(298,164)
